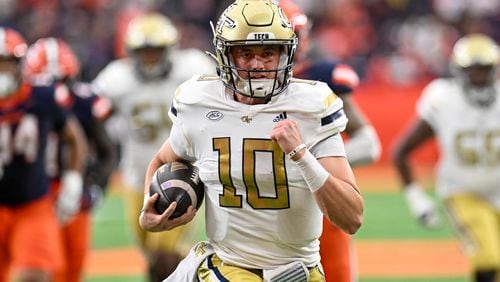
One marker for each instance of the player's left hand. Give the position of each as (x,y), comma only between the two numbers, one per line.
(422,207)
(287,134)
(69,198)
(151,221)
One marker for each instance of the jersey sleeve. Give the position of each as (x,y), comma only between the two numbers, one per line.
(332,146)
(178,140)
(331,119)
(344,79)
(53,102)
(180,144)
(341,78)
(60,108)
(110,81)
(101,108)
(429,103)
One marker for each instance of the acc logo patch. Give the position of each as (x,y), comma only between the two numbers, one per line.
(215,115)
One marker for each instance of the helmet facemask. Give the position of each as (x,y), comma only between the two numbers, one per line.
(478,83)
(257,83)
(149,69)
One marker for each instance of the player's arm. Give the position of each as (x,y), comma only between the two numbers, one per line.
(419,132)
(76,143)
(68,201)
(363,145)
(419,203)
(149,219)
(330,179)
(99,172)
(105,153)
(339,198)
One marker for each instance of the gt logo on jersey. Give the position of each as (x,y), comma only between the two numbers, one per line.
(246,119)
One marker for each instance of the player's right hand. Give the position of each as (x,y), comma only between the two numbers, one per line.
(287,134)
(422,207)
(69,198)
(151,221)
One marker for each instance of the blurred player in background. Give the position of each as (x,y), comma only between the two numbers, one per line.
(141,88)
(51,60)
(463,114)
(362,145)
(29,238)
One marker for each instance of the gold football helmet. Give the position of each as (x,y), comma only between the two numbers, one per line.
(474,61)
(254,22)
(475,49)
(148,39)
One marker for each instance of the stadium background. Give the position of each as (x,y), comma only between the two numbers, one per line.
(395,45)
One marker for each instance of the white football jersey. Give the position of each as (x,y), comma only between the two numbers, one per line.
(259,211)
(468,137)
(143,106)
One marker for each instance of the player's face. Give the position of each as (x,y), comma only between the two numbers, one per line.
(256,58)
(479,76)
(149,57)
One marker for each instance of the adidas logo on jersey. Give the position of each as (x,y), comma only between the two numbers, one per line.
(280,117)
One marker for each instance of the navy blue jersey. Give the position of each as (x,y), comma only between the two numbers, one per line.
(83,107)
(90,110)
(341,78)
(26,118)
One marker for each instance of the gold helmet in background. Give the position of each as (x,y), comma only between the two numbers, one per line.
(475,49)
(474,61)
(147,40)
(254,22)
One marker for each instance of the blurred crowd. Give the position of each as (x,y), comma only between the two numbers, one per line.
(396,41)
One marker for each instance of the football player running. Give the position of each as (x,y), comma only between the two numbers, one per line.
(51,60)
(29,245)
(462,113)
(362,146)
(141,88)
(269,151)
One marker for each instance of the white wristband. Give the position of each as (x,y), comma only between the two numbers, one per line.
(313,172)
(297,149)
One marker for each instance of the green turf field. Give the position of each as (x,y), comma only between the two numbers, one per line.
(386,218)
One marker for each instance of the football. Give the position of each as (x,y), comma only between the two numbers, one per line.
(177,182)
